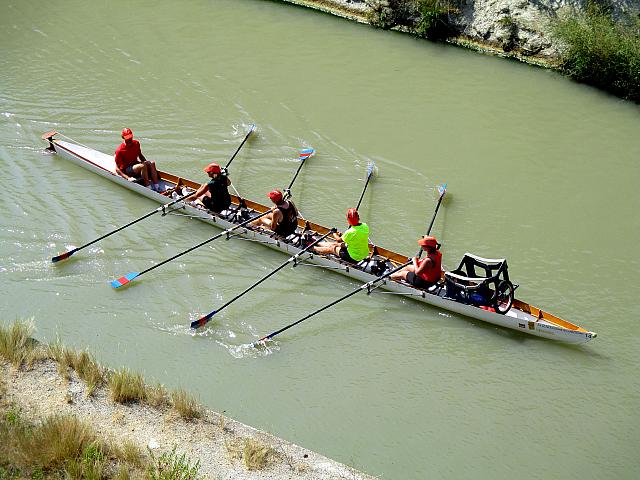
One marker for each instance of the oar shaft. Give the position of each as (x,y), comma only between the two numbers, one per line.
(215,237)
(433,219)
(366,286)
(205,319)
(246,137)
(296,175)
(363,190)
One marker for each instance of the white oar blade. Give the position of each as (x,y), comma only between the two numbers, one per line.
(372,169)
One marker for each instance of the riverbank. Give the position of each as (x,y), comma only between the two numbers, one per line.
(36,388)
(506,28)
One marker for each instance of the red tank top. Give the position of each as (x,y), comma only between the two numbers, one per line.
(431,274)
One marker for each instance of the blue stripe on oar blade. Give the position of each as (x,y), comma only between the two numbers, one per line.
(306,153)
(120,282)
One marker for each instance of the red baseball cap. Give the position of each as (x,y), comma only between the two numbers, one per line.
(275,196)
(127,134)
(212,168)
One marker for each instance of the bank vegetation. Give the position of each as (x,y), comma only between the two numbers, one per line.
(63,415)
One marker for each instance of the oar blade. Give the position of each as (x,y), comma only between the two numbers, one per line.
(372,170)
(442,189)
(122,281)
(202,321)
(307,153)
(63,256)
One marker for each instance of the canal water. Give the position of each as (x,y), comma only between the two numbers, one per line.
(540,170)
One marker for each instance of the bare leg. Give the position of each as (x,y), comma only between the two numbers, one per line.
(402,274)
(325,248)
(263,221)
(151,167)
(141,169)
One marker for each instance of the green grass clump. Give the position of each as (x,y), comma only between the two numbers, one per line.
(171,466)
(16,344)
(127,387)
(186,405)
(601,51)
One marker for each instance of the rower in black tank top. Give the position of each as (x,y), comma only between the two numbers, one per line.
(289,221)
(220,198)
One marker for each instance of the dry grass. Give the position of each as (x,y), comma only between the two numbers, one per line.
(255,454)
(16,344)
(157,396)
(82,362)
(61,446)
(186,406)
(127,387)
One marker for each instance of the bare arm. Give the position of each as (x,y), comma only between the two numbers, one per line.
(204,188)
(427,263)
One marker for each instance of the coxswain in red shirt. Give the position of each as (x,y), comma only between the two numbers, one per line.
(283,218)
(131,164)
(423,273)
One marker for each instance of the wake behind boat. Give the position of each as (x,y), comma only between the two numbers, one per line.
(479,288)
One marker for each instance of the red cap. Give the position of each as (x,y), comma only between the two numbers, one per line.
(212,168)
(127,134)
(428,241)
(353,217)
(275,196)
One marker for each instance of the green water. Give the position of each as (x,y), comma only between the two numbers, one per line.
(540,170)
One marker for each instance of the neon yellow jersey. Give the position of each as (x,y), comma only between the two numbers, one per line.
(357,240)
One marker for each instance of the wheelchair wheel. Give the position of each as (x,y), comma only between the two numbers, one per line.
(504,297)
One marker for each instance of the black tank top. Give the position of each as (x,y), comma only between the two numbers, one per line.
(220,197)
(289,220)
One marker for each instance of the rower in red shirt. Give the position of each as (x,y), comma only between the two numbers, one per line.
(426,272)
(131,164)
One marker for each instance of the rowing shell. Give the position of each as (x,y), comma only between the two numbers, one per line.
(521,317)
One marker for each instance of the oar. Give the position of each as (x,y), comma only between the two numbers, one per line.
(304,155)
(119,282)
(442,189)
(162,209)
(367,286)
(202,321)
(371,169)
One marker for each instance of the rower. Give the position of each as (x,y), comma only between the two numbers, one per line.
(128,166)
(426,272)
(353,245)
(215,194)
(283,219)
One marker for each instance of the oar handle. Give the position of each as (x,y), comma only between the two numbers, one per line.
(202,321)
(246,137)
(215,237)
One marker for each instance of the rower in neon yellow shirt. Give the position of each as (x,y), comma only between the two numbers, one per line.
(353,245)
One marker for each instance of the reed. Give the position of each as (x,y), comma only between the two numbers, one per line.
(157,396)
(186,406)
(256,454)
(16,344)
(127,387)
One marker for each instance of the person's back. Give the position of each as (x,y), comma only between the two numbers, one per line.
(356,237)
(289,222)
(218,188)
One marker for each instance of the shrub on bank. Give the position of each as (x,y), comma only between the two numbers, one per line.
(600,50)
(424,18)
(16,344)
